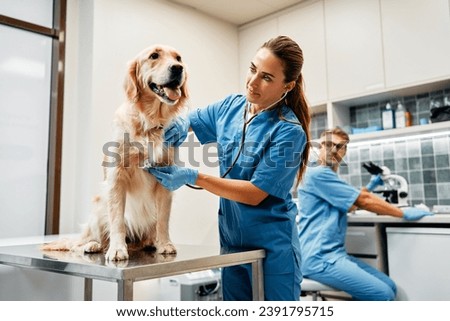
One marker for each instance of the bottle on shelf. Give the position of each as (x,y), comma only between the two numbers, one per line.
(388,117)
(402,116)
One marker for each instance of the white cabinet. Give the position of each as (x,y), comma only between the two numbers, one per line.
(416,40)
(365,243)
(418,262)
(359,52)
(354,47)
(306,26)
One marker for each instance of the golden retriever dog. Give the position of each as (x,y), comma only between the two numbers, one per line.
(133,210)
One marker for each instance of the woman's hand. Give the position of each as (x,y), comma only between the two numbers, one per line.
(177,131)
(173,177)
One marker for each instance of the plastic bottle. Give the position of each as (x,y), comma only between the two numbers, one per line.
(402,116)
(408,117)
(388,117)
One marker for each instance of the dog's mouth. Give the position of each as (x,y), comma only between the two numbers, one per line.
(169,92)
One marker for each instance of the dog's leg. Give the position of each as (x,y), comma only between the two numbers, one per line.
(164,244)
(116,208)
(94,238)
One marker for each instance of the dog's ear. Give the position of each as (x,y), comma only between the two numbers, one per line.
(184,88)
(132,87)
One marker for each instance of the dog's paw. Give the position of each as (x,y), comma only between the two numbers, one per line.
(92,247)
(167,248)
(117,254)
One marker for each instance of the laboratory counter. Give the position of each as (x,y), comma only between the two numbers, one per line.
(363,216)
(404,250)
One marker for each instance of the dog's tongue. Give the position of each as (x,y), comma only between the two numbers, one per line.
(173,94)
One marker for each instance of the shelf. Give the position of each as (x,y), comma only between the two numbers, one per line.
(401,132)
(393,93)
(318,109)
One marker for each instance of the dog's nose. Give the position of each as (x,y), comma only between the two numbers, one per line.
(176,69)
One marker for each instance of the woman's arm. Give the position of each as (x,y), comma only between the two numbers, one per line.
(233,189)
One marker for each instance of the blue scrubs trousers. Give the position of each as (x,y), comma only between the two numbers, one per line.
(238,281)
(357,278)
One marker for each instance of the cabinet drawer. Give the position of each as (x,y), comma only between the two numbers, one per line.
(375,263)
(361,240)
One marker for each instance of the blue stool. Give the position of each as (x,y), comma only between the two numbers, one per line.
(313,288)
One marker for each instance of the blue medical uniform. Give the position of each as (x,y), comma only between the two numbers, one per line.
(324,200)
(269,159)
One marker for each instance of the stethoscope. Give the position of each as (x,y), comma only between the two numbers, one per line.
(246,122)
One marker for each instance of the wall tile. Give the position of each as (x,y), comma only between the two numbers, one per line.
(430,192)
(423,162)
(442,161)
(416,191)
(428,162)
(388,151)
(443,190)
(427,146)
(414,162)
(443,175)
(376,153)
(415,177)
(401,164)
(413,147)
(441,145)
(400,149)
(429,176)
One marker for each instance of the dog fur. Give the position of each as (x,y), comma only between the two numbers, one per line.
(133,210)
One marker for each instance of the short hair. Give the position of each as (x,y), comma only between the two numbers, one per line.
(336,131)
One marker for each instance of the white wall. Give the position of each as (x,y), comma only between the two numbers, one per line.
(102,36)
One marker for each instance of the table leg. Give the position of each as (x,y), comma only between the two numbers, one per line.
(125,290)
(87,289)
(258,280)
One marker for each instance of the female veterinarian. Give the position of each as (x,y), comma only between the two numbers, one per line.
(270,126)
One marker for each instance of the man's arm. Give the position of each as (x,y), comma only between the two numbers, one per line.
(370,202)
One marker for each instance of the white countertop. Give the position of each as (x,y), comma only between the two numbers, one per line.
(362,216)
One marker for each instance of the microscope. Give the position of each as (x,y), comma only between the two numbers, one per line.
(395,186)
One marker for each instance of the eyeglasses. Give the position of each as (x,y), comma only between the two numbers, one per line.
(329,145)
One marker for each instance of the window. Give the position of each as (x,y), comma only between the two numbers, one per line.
(31,104)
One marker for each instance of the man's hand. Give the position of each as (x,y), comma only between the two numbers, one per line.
(414,214)
(375,181)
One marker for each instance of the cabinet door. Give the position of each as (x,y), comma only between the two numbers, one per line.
(354,47)
(416,36)
(306,26)
(418,262)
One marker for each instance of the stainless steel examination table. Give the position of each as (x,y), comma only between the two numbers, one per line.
(142,265)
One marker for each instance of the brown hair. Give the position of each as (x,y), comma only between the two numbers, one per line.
(291,56)
(336,131)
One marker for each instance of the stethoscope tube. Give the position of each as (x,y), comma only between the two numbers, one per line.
(241,144)
(244,131)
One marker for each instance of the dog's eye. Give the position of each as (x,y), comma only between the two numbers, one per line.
(178,58)
(154,56)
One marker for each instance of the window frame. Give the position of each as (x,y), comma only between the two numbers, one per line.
(58,35)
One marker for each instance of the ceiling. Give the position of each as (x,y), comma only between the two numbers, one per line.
(238,12)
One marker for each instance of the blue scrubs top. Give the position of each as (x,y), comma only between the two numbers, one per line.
(324,200)
(270,160)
